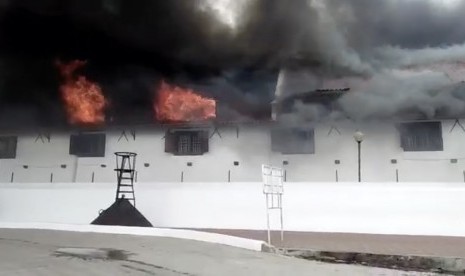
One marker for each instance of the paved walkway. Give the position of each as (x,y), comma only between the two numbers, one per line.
(43,252)
(361,243)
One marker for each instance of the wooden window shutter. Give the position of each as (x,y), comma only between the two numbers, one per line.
(402,129)
(8,147)
(276,140)
(73,144)
(100,142)
(170,142)
(87,145)
(204,139)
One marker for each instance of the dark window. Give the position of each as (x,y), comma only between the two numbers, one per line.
(186,142)
(8,147)
(293,141)
(421,136)
(87,145)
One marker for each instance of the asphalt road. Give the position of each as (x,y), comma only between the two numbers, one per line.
(43,252)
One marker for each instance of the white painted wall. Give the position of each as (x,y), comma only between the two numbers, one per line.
(251,149)
(383,208)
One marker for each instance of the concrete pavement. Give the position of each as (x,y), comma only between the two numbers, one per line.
(363,243)
(45,252)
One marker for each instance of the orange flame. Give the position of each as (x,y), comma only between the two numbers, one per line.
(178,104)
(84,100)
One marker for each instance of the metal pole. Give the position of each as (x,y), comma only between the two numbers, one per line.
(359,161)
(281,211)
(268,220)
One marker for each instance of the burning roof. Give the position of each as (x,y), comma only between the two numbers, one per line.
(133,46)
(175,104)
(84,100)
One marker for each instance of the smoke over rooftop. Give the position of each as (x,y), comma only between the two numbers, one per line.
(228,50)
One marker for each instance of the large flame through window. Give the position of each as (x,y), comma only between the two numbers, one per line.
(176,104)
(84,100)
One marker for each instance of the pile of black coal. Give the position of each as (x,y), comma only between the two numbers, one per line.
(122,213)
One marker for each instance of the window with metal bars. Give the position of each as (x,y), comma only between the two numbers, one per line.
(186,142)
(421,136)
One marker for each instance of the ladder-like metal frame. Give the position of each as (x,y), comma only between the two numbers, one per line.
(125,173)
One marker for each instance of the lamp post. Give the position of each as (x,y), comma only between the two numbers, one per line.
(358,136)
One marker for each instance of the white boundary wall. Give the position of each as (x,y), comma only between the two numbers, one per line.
(383,208)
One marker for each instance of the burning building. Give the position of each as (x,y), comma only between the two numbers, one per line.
(86,92)
(208,102)
(188,135)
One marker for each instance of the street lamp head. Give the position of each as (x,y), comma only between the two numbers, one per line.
(358,136)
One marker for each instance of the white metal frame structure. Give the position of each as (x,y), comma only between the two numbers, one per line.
(273,190)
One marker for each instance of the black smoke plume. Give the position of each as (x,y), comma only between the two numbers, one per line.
(130,45)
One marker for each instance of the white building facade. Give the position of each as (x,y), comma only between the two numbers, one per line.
(326,152)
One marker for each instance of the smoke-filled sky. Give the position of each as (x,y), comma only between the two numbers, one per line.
(232,50)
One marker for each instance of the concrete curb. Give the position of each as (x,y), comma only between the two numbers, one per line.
(248,244)
(447,265)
